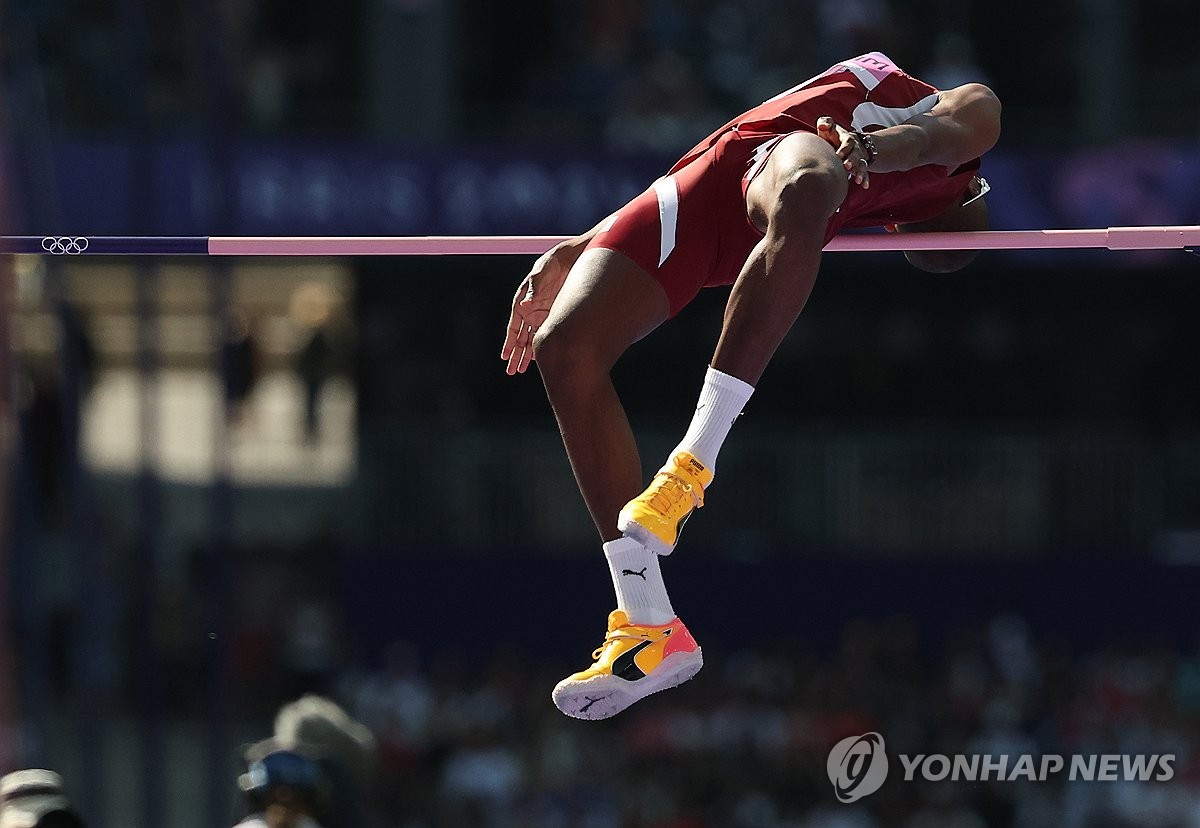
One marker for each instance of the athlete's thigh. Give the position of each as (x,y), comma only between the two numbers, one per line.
(607,303)
(793,153)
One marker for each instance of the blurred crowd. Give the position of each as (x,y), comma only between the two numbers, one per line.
(635,75)
(462,743)
(434,740)
(659,76)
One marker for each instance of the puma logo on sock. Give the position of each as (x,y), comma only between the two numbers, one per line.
(641,574)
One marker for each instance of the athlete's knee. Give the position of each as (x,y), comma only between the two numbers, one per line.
(566,352)
(804,181)
(811,190)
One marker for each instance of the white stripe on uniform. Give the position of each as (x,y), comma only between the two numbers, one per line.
(668,211)
(872,114)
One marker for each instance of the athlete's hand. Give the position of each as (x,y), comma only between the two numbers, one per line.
(530,306)
(848,148)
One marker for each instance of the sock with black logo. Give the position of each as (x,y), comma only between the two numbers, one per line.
(638,582)
(722,399)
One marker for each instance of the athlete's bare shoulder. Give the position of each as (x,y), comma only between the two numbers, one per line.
(969,94)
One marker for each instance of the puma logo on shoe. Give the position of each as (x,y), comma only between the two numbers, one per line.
(641,573)
(625,667)
(591,701)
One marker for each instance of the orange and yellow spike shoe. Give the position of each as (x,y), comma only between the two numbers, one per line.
(656,516)
(634,662)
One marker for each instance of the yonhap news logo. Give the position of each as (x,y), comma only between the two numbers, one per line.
(858,765)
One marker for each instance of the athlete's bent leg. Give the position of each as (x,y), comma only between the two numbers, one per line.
(800,187)
(608,303)
(791,201)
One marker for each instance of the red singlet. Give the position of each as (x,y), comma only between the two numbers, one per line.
(690,229)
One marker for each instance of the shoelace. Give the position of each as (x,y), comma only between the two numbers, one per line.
(615,635)
(669,489)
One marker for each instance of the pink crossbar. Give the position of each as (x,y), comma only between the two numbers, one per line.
(380,245)
(1111,238)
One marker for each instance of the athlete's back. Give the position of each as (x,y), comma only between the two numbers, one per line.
(863,93)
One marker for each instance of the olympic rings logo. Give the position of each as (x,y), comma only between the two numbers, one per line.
(64,245)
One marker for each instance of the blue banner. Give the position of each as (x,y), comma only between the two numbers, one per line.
(340,188)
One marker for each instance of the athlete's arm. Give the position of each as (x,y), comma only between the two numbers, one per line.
(961,126)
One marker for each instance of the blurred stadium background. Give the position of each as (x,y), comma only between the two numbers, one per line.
(962,511)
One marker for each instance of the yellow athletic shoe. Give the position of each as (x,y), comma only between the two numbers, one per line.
(656,516)
(633,662)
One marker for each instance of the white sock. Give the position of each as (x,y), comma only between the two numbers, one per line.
(638,581)
(721,401)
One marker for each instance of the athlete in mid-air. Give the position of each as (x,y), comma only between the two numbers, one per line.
(861,145)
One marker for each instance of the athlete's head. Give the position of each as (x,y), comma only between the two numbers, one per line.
(971,216)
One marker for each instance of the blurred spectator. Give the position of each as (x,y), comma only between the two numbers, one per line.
(316,313)
(34,799)
(41,411)
(52,396)
(284,788)
(343,748)
(241,364)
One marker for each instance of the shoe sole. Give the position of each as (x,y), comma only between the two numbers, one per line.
(631,528)
(602,697)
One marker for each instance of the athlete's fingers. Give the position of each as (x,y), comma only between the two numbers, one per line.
(840,138)
(522,351)
(511,335)
(510,344)
(514,356)
(828,130)
(514,317)
(526,358)
(857,170)
(526,355)
(846,145)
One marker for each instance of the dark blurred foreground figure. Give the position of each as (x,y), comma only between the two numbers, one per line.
(862,144)
(314,772)
(34,799)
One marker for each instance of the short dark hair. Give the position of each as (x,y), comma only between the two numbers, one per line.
(940,261)
(962,218)
(60,819)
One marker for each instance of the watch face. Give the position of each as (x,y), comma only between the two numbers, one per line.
(868,145)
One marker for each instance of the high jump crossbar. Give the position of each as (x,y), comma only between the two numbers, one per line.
(1185,237)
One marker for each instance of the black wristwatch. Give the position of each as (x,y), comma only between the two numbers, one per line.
(868,144)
